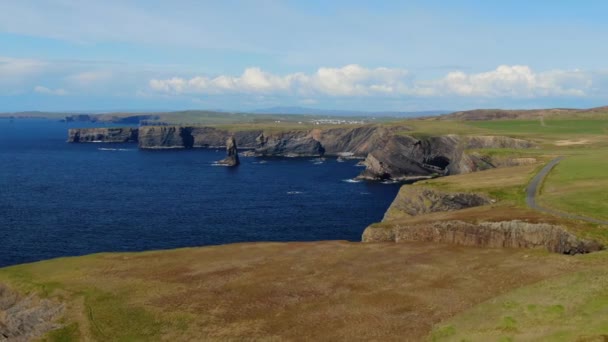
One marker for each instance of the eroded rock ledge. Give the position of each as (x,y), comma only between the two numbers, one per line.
(510,234)
(416,200)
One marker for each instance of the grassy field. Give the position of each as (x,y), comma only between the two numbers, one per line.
(548,128)
(573,307)
(579,185)
(278,291)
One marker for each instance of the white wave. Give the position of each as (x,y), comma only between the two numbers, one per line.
(260,162)
(390,182)
(294,192)
(352,180)
(365,193)
(115,149)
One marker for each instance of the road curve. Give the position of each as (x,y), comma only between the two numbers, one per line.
(533,189)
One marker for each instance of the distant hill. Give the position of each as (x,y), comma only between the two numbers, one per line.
(336,112)
(493,114)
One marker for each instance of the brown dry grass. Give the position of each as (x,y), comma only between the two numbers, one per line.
(281,291)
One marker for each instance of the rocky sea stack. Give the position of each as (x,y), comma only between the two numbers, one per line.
(232,158)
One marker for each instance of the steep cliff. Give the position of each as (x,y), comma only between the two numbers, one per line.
(159,137)
(289,144)
(509,234)
(406,157)
(110,134)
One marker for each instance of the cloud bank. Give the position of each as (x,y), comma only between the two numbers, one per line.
(516,81)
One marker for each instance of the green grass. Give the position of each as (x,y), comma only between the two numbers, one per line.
(578,185)
(551,128)
(560,309)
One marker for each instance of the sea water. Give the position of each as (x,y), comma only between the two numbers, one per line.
(60,199)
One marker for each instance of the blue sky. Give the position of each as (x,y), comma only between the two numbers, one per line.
(362,55)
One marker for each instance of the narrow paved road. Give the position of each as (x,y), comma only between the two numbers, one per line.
(532,192)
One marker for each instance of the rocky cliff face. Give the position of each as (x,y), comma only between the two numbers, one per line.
(111,135)
(509,234)
(289,144)
(159,137)
(405,157)
(388,152)
(415,200)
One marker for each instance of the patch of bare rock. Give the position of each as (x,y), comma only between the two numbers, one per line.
(26,318)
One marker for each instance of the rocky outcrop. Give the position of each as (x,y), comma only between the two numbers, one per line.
(509,234)
(289,144)
(416,200)
(232,158)
(26,318)
(109,135)
(405,157)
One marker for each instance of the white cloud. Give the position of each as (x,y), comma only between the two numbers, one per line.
(49,91)
(13,67)
(349,80)
(90,77)
(517,81)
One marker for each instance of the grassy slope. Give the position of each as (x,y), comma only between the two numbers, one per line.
(323,290)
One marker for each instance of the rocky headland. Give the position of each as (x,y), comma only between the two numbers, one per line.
(388,153)
(417,201)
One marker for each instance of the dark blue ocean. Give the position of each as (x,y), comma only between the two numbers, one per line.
(59,199)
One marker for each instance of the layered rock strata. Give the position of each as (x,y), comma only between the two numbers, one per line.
(509,234)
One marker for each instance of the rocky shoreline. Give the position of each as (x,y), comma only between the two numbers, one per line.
(388,153)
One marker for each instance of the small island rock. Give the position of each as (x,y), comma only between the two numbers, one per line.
(232,158)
